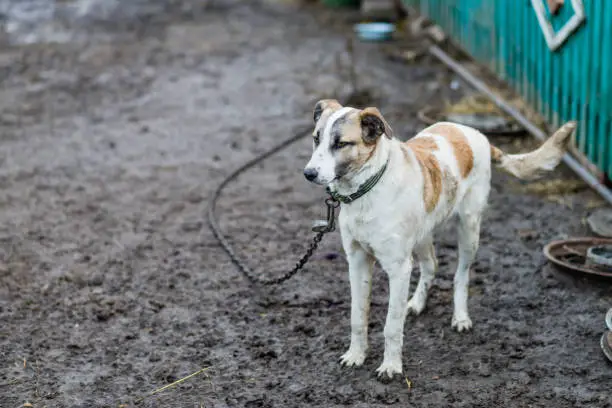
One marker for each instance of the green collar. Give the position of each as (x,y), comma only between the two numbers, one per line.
(363,189)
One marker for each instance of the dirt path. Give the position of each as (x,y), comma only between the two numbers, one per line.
(111,284)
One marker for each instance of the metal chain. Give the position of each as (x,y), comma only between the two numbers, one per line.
(323,229)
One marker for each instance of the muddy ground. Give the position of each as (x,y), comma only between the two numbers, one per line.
(111,284)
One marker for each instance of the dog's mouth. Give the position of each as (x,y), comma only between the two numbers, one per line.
(322,182)
(315,177)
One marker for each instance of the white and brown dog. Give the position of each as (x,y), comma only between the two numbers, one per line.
(395,193)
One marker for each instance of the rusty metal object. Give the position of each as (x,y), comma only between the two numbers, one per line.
(554,6)
(571,255)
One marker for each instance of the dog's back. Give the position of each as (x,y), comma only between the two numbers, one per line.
(454,160)
(459,158)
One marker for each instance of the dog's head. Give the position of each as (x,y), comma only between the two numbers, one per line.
(344,139)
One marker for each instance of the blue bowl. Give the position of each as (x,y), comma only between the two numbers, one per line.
(374,31)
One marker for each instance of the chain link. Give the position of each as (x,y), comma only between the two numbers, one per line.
(331,203)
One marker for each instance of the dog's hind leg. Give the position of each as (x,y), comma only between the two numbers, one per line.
(360,274)
(428,265)
(470,215)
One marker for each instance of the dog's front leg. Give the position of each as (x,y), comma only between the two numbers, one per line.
(399,285)
(360,274)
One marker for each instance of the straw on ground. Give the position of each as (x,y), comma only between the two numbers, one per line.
(175,383)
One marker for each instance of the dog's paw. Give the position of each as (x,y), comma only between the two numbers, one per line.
(353,357)
(389,368)
(416,305)
(462,324)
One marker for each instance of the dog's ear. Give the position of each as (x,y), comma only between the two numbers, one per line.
(373,125)
(322,106)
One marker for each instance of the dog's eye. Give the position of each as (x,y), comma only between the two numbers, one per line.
(340,145)
(317,138)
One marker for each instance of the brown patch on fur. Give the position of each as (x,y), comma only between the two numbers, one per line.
(496,154)
(326,104)
(463,151)
(331,104)
(360,153)
(423,148)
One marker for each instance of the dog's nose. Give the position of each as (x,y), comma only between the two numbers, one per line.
(311,174)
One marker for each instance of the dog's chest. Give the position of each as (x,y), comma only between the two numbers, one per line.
(367,227)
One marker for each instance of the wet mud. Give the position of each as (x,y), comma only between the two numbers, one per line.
(116,124)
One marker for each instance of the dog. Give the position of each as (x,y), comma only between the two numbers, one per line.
(394,194)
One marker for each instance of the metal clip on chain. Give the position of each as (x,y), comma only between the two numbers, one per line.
(329,224)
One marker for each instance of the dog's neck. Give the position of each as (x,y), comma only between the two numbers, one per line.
(349,185)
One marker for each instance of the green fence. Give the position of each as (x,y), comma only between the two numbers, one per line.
(562,80)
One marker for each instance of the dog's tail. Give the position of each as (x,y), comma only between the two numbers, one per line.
(529,166)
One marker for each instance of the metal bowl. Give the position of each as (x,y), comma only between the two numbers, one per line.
(374,31)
